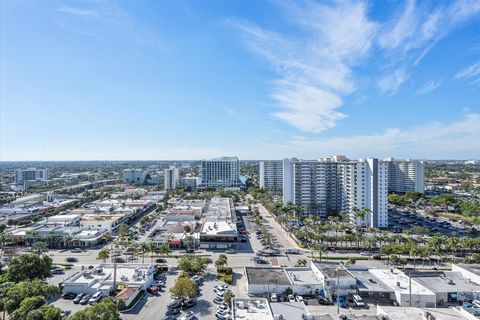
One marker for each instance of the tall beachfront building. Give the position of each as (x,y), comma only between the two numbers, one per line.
(329,186)
(405,175)
(271,176)
(171,179)
(223,172)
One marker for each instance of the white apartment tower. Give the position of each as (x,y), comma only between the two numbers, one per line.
(330,186)
(405,175)
(134,176)
(31,174)
(271,176)
(223,172)
(171,178)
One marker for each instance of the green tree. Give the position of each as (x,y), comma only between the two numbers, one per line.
(104,310)
(29,267)
(39,247)
(12,294)
(152,249)
(103,255)
(143,249)
(165,250)
(227,298)
(184,287)
(27,306)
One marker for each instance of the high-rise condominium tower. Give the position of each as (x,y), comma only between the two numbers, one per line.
(221,172)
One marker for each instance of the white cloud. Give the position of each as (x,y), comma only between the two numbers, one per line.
(429,86)
(390,83)
(315,64)
(107,19)
(471,73)
(452,140)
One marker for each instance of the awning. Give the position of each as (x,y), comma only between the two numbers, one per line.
(175,241)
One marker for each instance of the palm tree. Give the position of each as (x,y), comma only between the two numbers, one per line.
(143,249)
(321,249)
(414,252)
(103,254)
(165,250)
(152,249)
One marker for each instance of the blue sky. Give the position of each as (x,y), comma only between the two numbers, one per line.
(260,80)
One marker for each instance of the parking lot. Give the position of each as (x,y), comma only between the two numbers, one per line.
(399,221)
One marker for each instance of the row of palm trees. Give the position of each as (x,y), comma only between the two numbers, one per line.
(142,249)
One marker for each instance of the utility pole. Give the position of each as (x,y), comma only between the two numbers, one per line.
(410,288)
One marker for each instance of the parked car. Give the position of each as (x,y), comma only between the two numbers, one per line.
(169,318)
(76,250)
(188,304)
(188,316)
(153,290)
(174,304)
(218,300)
(300,299)
(85,299)
(342,302)
(231,251)
(68,296)
(71,259)
(172,312)
(95,298)
(291,298)
(57,271)
(161,260)
(78,298)
(273,297)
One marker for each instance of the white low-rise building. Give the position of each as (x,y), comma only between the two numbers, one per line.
(334,278)
(408,292)
(101,278)
(304,281)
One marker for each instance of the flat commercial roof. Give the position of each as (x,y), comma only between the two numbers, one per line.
(125,273)
(447,282)
(302,276)
(220,218)
(393,276)
(410,313)
(473,268)
(367,281)
(332,271)
(289,310)
(267,275)
(251,309)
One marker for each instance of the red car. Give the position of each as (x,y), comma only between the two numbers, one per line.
(153,290)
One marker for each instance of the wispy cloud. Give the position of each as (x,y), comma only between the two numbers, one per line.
(107,19)
(431,140)
(77,11)
(314,69)
(412,32)
(317,58)
(429,86)
(471,73)
(390,83)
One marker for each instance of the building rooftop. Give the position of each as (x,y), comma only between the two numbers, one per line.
(302,276)
(220,217)
(398,281)
(251,309)
(290,310)
(410,313)
(449,281)
(267,275)
(333,270)
(126,273)
(473,268)
(367,281)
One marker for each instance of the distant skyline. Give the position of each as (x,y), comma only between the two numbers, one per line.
(112,80)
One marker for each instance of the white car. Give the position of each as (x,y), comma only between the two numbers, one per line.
(300,299)
(291,298)
(95,298)
(273,297)
(188,316)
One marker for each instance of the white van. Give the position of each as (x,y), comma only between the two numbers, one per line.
(292,251)
(358,301)
(273,297)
